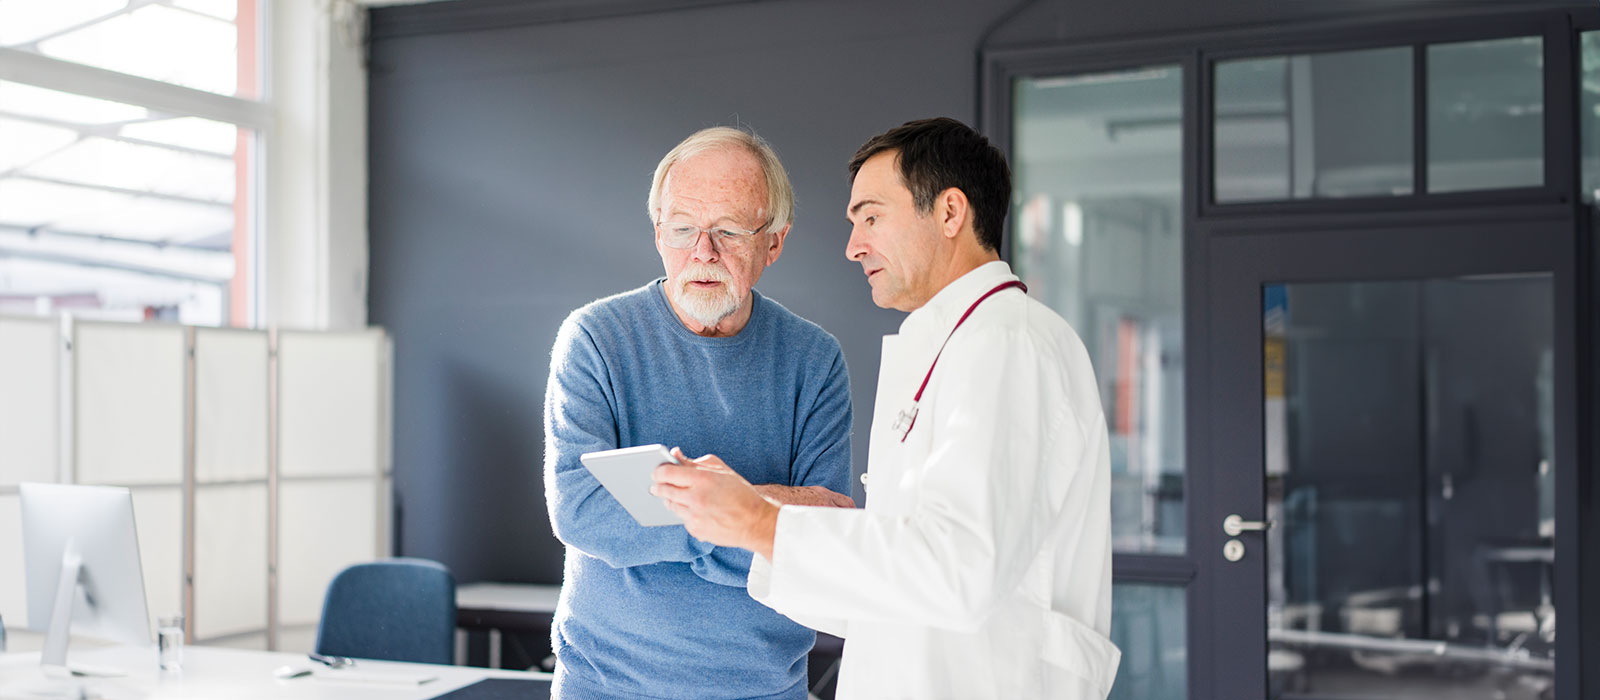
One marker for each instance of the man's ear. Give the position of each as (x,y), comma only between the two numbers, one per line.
(775,248)
(954,211)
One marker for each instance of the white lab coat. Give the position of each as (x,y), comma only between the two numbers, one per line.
(981,566)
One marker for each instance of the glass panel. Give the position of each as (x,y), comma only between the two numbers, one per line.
(37,287)
(224,10)
(29,400)
(13,586)
(1410,438)
(26,142)
(308,558)
(1317,125)
(1589,115)
(230,560)
(129,167)
(1486,114)
(193,43)
(1099,191)
(158,519)
(230,405)
(129,382)
(188,132)
(26,21)
(101,189)
(163,221)
(30,205)
(1149,624)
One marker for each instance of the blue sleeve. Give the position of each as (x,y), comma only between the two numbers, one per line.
(580,416)
(822,458)
(727,566)
(822,454)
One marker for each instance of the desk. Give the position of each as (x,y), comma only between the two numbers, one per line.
(485,610)
(511,606)
(213,673)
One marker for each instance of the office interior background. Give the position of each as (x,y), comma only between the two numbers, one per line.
(1333,261)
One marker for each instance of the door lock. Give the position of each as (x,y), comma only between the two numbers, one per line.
(1234,525)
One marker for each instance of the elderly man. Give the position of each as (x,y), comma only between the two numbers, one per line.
(701,360)
(981,567)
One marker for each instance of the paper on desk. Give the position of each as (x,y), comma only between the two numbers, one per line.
(400,677)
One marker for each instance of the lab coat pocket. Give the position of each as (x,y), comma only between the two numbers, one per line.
(1080,650)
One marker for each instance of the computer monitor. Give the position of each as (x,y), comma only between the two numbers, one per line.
(82,559)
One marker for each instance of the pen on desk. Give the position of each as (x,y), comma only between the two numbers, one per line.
(332,661)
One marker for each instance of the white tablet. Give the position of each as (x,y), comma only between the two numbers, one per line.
(626,473)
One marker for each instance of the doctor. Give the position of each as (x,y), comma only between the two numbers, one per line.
(981,566)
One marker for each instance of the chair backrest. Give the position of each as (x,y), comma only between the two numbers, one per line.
(395,610)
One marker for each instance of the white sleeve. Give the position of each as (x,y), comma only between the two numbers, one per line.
(759,584)
(983,504)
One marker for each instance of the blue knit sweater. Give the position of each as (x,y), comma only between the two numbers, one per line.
(651,611)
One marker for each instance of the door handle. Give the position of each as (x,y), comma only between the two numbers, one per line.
(1235,524)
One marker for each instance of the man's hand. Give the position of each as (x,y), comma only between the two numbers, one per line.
(805,496)
(717,505)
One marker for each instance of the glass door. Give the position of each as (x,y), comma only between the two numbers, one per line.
(1386,429)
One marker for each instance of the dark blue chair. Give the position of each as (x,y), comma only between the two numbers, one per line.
(394,610)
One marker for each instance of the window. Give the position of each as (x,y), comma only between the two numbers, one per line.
(127,164)
(1486,114)
(1312,126)
(1345,124)
(1098,236)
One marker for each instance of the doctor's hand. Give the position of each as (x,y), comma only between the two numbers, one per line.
(716,504)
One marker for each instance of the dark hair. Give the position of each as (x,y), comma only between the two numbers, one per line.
(940,153)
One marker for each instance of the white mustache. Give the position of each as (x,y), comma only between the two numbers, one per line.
(703,273)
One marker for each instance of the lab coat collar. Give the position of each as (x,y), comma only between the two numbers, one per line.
(941,312)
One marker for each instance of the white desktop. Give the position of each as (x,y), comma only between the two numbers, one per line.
(84,580)
(81,556)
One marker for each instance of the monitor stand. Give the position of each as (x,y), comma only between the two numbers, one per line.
(69,589)
(57,679)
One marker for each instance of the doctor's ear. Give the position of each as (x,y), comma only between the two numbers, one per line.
(953,210)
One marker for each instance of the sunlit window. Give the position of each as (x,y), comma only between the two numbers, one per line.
(193,43)
(110,209)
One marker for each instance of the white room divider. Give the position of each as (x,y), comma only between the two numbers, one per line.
(129,411)
(259,461)
(333,416)
(232,400)
(29,434)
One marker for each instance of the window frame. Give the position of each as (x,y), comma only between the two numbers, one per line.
(37,70)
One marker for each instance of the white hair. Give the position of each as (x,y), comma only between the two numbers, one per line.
(780,195)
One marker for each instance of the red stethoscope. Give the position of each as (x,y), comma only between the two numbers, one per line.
(907,419)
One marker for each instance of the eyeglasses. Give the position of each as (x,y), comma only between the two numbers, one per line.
(677,234)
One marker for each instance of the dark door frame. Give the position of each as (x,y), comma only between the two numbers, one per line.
(1406,237)
(1240,266)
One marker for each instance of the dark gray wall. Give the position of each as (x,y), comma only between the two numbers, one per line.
(508,176)
(511,147)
